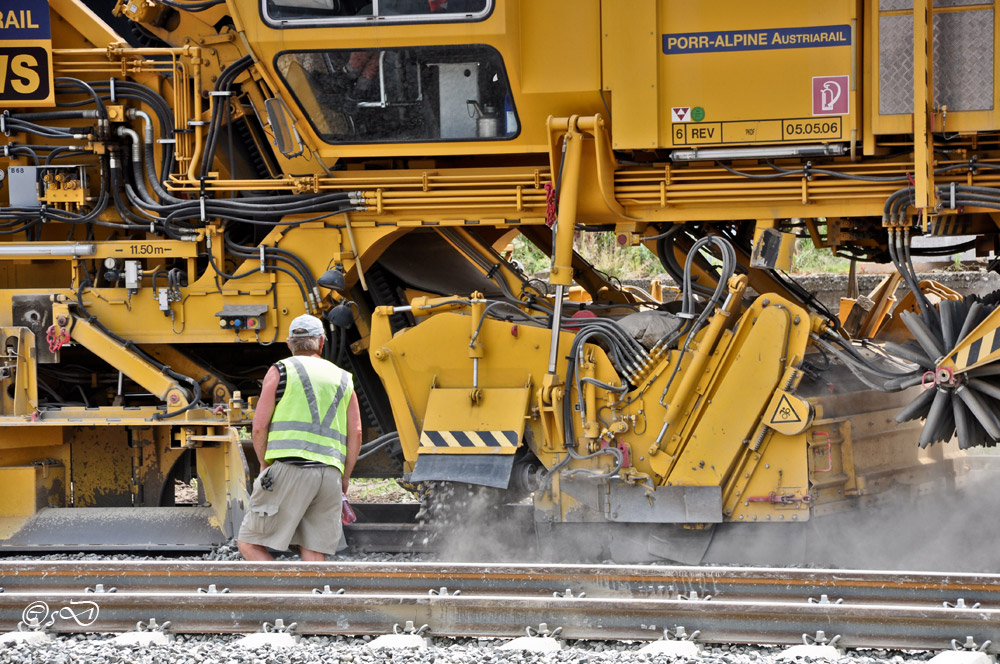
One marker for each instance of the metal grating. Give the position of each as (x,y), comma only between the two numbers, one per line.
(897,5)
(963,60)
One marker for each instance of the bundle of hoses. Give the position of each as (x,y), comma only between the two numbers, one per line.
(158,210)
(627,356)
(376,444)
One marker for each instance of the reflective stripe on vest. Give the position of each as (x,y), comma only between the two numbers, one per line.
(297,428)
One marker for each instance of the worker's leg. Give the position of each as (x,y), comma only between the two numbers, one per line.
(310,556)
(321,526)
(254,551)
(274,513)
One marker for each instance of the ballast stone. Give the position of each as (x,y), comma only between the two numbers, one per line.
(31,638)
(962,657)
(533,644)
(811,652)
(140,639)
(261,639)
(398,642)
(671,648)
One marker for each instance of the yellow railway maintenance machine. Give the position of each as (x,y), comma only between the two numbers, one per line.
(180,187)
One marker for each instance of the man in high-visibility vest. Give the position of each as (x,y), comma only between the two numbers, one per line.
(307,434)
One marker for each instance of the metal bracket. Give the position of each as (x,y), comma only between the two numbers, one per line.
(444,592)
(543,631)
(100,589)
(970,644)
(679,633)
(327,590)
(693,597)
(33,625)
(825,599)
(960,604)
(278,627)
(568,593)
(213,590)
(152,626)
(820,639)
(408,628)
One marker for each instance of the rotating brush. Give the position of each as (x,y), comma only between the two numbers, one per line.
(965,405)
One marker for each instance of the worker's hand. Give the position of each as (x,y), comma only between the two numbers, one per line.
(344,482)
(263,469)
(266,481)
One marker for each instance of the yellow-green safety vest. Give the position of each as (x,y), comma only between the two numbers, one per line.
(310,419)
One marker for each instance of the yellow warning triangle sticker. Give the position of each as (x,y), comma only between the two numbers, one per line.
(784,412)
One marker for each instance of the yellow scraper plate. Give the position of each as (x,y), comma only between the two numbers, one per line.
(456,425)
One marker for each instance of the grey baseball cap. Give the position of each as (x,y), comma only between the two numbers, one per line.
(305,326)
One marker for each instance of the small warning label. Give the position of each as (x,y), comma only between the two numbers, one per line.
(681,113)
(784,413)
(831,95)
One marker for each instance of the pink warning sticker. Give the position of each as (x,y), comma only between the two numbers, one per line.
(680,113)
(831,95)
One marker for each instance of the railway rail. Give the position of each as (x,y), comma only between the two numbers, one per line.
(724,604)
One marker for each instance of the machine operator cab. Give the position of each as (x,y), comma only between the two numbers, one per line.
(411,94)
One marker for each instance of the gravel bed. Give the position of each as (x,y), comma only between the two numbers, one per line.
(225,552)
(194,649)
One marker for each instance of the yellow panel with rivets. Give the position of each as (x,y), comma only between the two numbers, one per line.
(729,73)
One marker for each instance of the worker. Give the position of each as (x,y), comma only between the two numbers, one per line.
(307,435)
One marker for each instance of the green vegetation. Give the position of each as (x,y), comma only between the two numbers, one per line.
(370,490)
(528,256)
(809,259)
(601,250)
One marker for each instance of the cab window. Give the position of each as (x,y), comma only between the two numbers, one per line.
(288,13)
(432,93)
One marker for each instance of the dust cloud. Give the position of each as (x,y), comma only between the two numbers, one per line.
(953,528)
(479,524)
(948,528)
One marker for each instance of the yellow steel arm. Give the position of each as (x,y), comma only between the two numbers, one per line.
(923,101)
(119,356)
(568,184)
(211,383)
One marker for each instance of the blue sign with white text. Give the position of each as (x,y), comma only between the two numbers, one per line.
(24,19)
(761,39)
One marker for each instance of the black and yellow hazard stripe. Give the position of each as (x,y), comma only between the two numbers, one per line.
(950,226)
(468,439)
(981,348)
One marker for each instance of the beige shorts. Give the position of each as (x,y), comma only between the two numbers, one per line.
(303,507)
